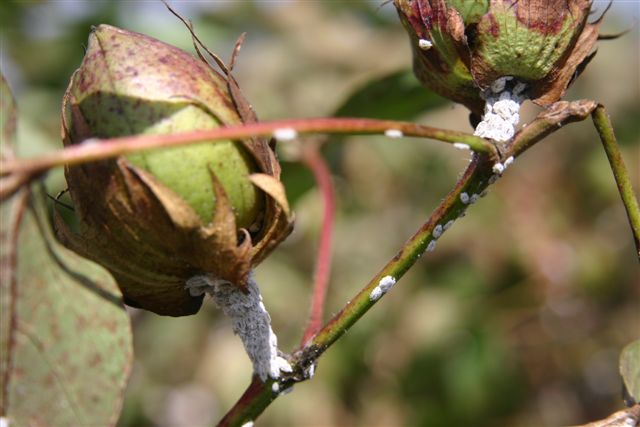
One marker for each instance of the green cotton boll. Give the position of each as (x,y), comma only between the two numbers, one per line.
(461,47)
(157,218)
(470,10)
(186,170)
(115,102)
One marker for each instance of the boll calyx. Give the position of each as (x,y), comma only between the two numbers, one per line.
(461,47)
(155,219)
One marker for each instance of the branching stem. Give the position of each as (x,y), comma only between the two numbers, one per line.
(476,178)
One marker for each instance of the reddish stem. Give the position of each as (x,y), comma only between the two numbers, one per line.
(99,149)
(316,163)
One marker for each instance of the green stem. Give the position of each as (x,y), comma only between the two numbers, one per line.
(553,118)
(620,173)
(259,395)
(473,182)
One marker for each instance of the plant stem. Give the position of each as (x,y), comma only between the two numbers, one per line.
(626,417)
(473,182)
(99,149)
(605,130)
(316,163)
(259,395)
(553,118)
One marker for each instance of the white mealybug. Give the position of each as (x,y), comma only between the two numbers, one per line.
(431,246)
(437,231)
(250,321)
(498,168)
(383,287)
(285,134)
(248,424)
(88,141)
(502,109)
(508,161)
(448,225)
(461,146)
(464,198)
(275,387)
(393,133)
(425,44)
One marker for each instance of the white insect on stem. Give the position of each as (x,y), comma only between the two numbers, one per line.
(248,424)
(498,168)
(461,146)
(393,133)
(312,370)
(431,246)
(425,44)
(250,319)
(464,198)
(383,287)
(503,99)
(437,231)
(285,134)
(508,162)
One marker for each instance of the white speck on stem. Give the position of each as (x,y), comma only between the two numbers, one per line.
(275,387)
(508,162)
(248,424)
(502,109)
(285,134)
(437,231)
(464,198)
(88,141)
(461,146)
(431,246)
(394,133)
(425,44)
(250,320)
(383,287)
(498,168)
(312,370)
(448,224)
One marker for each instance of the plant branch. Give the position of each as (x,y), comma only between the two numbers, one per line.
(99,149)
(472,184)
(605,130)
(259,395)
(557,115)
(312,158)
(625,418)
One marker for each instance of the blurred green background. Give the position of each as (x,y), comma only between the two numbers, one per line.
(516,319)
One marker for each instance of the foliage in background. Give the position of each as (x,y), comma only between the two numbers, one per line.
(516,318)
